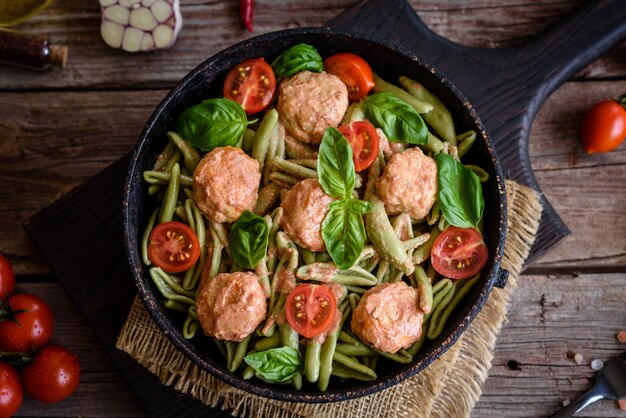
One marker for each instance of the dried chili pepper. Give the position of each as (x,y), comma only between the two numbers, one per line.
(246,9)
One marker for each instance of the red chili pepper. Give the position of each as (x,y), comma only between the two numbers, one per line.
(246,9)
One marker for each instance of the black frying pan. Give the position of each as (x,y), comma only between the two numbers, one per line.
(206,80)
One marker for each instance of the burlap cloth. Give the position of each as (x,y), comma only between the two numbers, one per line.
(449,387)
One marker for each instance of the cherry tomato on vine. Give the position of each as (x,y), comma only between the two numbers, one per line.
(364,141)
(11,392)
(459,253)
(355,73)
(53,375)
(311,309)
(7,277)
(173,246)
(604,126)
(252,84)
(32,328)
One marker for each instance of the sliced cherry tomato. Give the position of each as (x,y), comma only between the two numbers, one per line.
(364,141)
(355,73)
(7,277)
(459,253)
(53,375)
(251,84)
(11,392)
(31,328)
(310,309)
(603,127)
(173,246)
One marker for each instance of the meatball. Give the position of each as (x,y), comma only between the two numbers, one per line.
(226,183)
(231,305)
(308,103)
(305,206)
(409,184)
(388,317)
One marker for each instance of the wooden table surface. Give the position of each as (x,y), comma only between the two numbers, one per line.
(59,128)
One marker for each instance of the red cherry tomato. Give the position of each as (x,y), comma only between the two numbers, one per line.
(310,309)
(11,393)
(31,328)
(53,375)
(173,246)
(364,141)
(459,253)
(355,73)
(251,84)
(603,127)
(7,277)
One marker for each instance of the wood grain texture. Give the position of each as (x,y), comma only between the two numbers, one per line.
(102,390)
(484,23)
(43,157)
(550,316)
(59,128)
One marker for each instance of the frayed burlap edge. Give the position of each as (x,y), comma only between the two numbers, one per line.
(427,394)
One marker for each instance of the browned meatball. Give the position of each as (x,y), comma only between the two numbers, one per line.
(308,103)
(409,184)
(226,183)
(231,305)
(305,206)
(388,317)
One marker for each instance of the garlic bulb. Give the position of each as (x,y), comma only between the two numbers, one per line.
(140,25)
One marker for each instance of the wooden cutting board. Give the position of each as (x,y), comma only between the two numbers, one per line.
(505,86)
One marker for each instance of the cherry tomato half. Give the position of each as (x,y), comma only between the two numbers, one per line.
(355,73)
(7,277)
(11,392)
(310,309)
(251,84)
(603,127)
(459,253)
(364,141)
(31,328)
(53,375)
(173,246)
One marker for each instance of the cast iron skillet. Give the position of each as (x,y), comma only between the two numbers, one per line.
(206,81)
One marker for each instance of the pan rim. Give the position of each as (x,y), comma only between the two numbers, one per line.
(156,309)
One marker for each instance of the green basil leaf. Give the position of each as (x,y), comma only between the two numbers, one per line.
(212,123)
(276,364)
(248,240)
(343,231)
(398,120)
(335,165)
(297,58)
(460,192)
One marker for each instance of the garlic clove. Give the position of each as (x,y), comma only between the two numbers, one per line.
(112,33)
(117,14)
(143,19)
(161,11)
(162,36)
(132,39)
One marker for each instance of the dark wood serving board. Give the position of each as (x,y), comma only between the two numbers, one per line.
(505,86)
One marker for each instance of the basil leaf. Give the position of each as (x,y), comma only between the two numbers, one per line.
(460,192)
(276,364)
(335,165)
(212,123)
(398,120)
(343,231)
(248,240)
(297,58)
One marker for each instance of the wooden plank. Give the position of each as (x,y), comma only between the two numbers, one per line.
(550,316)
(102,391)
(582,187)
(63,138)
(57,142)
(212,26)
